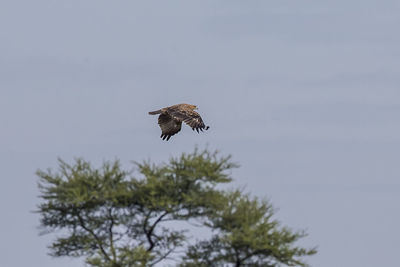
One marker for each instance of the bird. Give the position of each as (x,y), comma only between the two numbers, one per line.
(171,118)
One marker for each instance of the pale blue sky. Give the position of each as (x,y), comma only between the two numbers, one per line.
(305,95)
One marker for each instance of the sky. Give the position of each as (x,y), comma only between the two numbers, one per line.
(304,95)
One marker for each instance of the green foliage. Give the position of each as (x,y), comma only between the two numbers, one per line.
(246,235)
(115,219)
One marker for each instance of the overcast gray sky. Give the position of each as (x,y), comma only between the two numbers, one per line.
(304,95)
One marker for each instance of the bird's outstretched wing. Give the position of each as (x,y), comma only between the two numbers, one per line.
(169,126)
(190,117)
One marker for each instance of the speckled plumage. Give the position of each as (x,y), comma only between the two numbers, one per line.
(171,118)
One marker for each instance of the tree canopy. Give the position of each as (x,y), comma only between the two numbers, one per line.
(118,218)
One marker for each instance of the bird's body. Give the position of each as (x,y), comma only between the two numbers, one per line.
(171,118)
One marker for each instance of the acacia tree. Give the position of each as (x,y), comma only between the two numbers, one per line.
(245,235)
(116,219)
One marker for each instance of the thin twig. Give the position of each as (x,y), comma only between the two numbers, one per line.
(99,243)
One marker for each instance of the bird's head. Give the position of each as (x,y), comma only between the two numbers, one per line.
(193,107)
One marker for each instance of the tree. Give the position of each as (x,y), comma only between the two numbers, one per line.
(115,219)
(246,236)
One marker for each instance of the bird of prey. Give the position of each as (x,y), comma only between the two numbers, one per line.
(171,118)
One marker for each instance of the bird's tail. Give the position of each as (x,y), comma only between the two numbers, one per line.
(155,112)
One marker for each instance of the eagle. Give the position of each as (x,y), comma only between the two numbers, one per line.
(171,118)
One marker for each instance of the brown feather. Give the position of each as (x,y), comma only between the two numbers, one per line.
(171,118)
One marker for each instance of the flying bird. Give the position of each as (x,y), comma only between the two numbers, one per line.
(171,118)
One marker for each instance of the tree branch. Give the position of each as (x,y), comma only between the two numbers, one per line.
(163,257)
(98,241)
(148,236)
(238,262)
(110,234)
(149,233)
